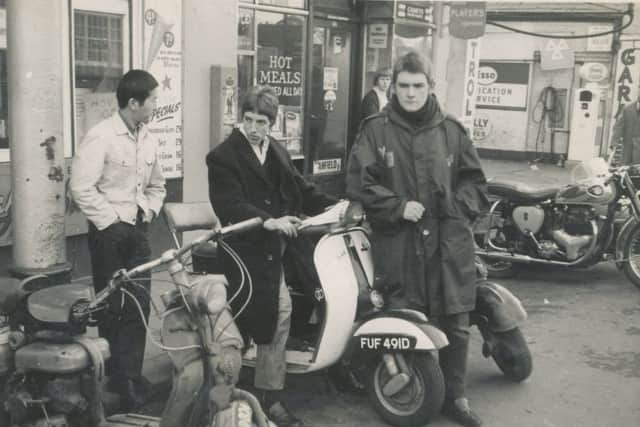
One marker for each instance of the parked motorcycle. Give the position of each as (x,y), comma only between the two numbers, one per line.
(393,352)
(51,371)
(594,218)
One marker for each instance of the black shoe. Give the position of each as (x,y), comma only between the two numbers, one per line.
(282,417)
(459,411)
(130,399)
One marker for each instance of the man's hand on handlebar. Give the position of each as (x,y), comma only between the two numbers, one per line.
(287,225)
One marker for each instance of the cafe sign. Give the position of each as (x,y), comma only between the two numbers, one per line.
(467,19)
(415,11)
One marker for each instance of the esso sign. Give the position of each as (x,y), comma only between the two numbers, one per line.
(487,75)
(594,72)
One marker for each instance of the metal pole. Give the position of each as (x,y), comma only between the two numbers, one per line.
(36,37)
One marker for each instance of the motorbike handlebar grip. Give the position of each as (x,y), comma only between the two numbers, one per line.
(241,226)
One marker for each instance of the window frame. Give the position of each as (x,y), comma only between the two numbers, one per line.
(122,8)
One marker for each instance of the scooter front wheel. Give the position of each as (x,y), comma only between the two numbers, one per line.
(417,401)
(511,354)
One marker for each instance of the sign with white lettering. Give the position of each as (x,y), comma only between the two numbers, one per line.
(415,11)
(163,59)
(467,19)
(502,86)
(327,166)
(282,72)
(378,34)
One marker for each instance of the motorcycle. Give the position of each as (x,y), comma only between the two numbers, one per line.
(51,371)
(594,218)
(393,352)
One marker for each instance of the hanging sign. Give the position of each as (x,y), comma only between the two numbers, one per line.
(467,19)
(556,55)
(413,12)
(594,71)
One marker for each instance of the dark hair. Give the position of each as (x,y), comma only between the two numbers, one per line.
(381,72)
(261,100)
(413,62)
(136,84)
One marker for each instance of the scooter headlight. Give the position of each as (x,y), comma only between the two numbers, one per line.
(376,299)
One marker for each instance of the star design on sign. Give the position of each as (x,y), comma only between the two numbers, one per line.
(166,83)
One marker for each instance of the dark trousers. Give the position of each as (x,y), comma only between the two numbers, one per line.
(119,246)
(453,358)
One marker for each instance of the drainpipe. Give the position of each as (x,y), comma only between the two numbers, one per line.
(36,37)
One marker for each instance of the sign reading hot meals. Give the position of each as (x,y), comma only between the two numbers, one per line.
(502,86)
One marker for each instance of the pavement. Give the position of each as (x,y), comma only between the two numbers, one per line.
(157,367)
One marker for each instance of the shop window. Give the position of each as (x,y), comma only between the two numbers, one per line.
(100,58)
(275,57)
(411,37)
(299,4)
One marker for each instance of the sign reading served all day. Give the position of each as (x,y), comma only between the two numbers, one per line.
(502,86)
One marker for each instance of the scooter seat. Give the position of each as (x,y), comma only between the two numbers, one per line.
(521,191)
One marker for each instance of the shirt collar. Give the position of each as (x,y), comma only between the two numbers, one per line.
(120,127)
(264,143)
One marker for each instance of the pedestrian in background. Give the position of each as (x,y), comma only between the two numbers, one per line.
(421,183)
(376,99)
(252,175)
(117,182)
(625,140)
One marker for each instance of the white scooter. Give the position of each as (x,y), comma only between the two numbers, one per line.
(397,347)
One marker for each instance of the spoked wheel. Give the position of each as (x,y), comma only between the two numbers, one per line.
(417,401)
(631,266)
(511,354)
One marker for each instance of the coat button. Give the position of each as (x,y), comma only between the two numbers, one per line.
(267,201)
(269,257)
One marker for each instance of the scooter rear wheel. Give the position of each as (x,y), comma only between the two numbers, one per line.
(416,403)
(511,354)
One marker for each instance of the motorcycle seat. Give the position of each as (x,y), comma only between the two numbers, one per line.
(521,191)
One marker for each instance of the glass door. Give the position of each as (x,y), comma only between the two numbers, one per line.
(331,96)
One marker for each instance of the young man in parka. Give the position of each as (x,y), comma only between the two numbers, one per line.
(419,178)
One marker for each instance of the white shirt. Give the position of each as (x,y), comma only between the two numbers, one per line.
(382,97)
(260,148)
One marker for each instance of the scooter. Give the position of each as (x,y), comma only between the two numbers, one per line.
(394,352)
(51,371)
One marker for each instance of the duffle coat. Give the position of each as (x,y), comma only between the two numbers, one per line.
(240,189)
(427,265)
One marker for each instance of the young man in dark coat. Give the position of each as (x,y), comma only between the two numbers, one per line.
(376,99)
(421,183)
(252,175)
(626,135)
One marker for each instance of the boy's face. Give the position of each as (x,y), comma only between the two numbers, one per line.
(412,90)
(256,126)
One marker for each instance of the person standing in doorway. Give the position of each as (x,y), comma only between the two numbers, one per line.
(420,181)
(376,99)
(117,182)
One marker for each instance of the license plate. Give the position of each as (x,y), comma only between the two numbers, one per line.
(386,342)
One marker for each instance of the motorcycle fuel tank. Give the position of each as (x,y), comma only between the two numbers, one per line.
(581,194)
(57,358)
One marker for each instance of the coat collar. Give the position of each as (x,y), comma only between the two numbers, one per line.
(243,148)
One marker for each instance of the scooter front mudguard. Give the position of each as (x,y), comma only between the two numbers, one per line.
(502,310)
(397,330)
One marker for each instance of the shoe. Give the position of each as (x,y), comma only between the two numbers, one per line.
(282,417)
(130,399)
(459,411)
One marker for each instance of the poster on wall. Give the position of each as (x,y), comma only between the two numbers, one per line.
(163,59)
(502,86)
(500,119)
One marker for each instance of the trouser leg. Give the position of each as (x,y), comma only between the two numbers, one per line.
(131,342)
(453,358)
(271,366)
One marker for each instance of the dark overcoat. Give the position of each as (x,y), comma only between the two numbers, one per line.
(239,189)
(427,265)
(370,105)
(627,131)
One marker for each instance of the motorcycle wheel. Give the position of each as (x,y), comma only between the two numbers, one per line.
(631,267)
(511,354)
(418,402)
